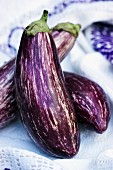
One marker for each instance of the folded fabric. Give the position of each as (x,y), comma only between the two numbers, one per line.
(15,159)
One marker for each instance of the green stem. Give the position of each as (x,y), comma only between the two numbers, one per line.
(38,26)
(74,29)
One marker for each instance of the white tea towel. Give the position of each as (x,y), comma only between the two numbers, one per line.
(18,159)
(83,59)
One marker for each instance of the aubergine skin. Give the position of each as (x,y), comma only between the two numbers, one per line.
(8,106)
(44,103)
(64,42)
(90,101)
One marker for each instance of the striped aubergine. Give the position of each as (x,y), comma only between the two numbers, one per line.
(8,106)
(64,36)
(44,103)
(90,101)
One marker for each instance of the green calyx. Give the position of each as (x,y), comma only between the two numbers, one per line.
(74,29)
(38,26)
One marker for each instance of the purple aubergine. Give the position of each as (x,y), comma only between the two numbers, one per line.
(64,36)
(46,108)
(90,101)
(8,107)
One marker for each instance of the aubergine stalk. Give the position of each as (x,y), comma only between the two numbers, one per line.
(90,101)
(8,106)
(64,36)
(44,103)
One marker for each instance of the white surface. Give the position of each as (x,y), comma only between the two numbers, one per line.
(16,159)
(13,13)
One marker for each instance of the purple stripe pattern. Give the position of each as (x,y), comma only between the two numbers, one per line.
(45,105)
(90,101)
(8,107)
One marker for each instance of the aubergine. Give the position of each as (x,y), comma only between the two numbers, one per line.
(64,35)
(45,106)
(90,101)
(8,106)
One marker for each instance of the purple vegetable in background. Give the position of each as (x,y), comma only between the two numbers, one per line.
(8,107)
(68,33)
(90,101)
(44,103)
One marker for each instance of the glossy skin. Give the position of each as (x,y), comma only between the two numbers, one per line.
(90,101)
(44,103)
(8,107)
(64,42)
